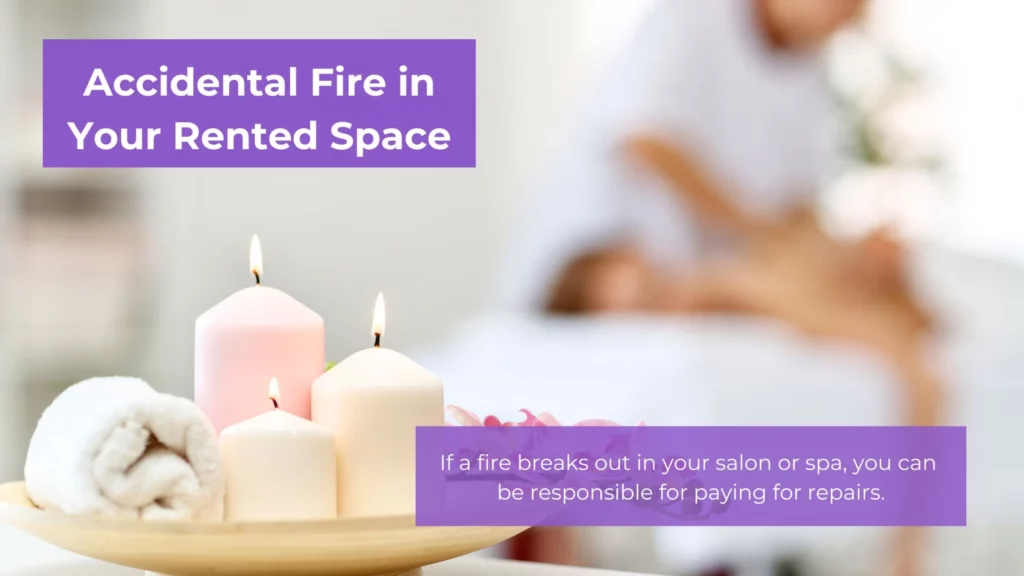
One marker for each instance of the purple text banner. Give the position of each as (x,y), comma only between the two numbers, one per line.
(259,103)
(686,476)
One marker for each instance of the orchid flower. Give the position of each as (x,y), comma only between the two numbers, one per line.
(457,416)
(462,417)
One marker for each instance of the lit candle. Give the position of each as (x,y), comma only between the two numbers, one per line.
(372,402)
(255,334)
(279,467)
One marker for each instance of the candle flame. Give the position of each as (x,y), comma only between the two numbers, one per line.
(378,316)
(256,257)
(274,393)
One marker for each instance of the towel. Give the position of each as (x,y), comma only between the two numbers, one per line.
(115,447)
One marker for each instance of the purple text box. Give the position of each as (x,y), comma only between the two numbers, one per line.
(432,118)
(685,476)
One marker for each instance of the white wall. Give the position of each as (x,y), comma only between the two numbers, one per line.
(430,239)
(11,429)
(971,52)
(979,52)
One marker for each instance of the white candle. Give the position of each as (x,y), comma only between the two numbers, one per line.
(372,402)
(279,467)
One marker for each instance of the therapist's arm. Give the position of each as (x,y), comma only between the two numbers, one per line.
(693,183)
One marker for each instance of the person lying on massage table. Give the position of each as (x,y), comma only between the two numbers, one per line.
(687,189)
(793,274)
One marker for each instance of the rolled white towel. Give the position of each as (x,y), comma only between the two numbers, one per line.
(115,447)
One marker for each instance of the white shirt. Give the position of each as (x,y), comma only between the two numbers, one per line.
(700,74)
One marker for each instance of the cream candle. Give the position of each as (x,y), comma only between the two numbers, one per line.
(279,467)
(255,334)
(372,402)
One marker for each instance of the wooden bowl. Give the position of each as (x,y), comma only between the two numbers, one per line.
(372,547)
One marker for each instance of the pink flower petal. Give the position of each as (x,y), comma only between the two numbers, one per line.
(548,419)
(531,420)
(463,417)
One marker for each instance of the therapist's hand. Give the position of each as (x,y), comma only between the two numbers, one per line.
(797,274)
(790,294)
(870,271)
(694,185)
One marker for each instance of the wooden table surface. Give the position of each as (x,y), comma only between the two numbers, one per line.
(24,555)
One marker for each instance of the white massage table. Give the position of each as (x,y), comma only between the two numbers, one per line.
(732,371)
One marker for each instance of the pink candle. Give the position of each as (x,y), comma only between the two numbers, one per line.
(250,337)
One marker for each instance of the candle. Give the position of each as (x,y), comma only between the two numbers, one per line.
(255,334)
(372,402)
(279,467)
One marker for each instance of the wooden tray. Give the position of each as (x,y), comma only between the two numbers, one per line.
(373,547)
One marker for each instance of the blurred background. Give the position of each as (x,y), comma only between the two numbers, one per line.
(105,271)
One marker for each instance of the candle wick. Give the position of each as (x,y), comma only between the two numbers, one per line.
(257,275)
(376,340)
(274,400)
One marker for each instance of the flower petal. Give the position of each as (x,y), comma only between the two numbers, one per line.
(531,420)
(462,416)
(548,419)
